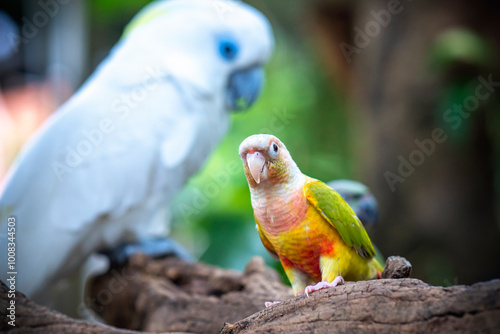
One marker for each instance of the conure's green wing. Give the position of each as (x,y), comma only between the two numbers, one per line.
(338,213)
(267,243)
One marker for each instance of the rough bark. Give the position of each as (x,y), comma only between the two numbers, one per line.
(170,295)
(31,318)
(382,306)
(173,295)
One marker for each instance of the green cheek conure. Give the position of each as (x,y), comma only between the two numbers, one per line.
(304,223)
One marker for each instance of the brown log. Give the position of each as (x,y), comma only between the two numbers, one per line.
(382,306)
(31,318)
(171,295)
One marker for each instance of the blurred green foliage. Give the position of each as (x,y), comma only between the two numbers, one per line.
(456,53)
(461,44)
(111,10)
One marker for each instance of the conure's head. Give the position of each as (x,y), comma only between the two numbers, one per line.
(267,162)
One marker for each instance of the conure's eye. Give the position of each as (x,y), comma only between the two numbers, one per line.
(274,150)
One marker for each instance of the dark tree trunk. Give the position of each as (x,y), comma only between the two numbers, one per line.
(438,208)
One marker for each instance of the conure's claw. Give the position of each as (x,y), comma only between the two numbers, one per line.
(155,248)
(271,303)
(324,285)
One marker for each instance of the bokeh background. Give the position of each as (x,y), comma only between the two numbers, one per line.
(400,95)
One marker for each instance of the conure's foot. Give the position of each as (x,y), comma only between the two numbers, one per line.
(155,248)
(324,285)
(271,303)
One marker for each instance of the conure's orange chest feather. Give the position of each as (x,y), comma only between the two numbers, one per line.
(299,235)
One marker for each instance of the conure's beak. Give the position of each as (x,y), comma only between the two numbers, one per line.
(256,163)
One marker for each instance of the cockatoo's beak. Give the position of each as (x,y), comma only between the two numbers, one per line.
(256,163)
(244,88)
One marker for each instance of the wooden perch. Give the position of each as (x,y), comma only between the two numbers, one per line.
(383,306)
(170,295)
(173,295)
(31,318)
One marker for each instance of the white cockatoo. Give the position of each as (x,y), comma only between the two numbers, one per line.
(102,167)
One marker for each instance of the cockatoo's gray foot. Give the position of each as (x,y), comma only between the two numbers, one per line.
(155,248)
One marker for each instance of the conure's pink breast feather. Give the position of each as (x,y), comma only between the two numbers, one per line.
(297,231)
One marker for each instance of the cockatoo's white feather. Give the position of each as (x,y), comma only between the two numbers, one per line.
(107,161)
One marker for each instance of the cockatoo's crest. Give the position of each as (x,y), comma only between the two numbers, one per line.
(142,18)
(157,8)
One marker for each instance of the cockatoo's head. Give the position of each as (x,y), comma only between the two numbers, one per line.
(217,47)
(267,161)
(359,198)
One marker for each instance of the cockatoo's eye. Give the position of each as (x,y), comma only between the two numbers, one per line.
(228,48)
(273,150)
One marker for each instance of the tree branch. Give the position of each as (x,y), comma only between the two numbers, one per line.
(382,306)
(171,295)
